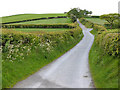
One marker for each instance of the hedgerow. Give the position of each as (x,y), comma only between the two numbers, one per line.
(24,53)
(38,26)
(107,41)
(104,56)
(87,23)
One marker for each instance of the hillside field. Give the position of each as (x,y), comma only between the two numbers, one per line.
(96,20)
(48,21)
(21,17)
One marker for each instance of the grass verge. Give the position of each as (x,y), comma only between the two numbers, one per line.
(104,68)
(104,56)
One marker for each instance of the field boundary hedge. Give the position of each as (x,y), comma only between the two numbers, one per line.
(38,26)
(35,19)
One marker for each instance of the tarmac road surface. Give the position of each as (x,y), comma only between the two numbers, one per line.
(71,70)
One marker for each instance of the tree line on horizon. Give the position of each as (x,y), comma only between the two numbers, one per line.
(75,13)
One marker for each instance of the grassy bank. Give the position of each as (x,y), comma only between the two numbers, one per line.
(104,68)
(25,53)
(104,55)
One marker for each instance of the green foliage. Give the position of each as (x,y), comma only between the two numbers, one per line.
(38,26)
(110,18)
(38,29)
(104,56)
(104,68)
(77,13)
(109,42)
(95,16)
(87,23)
(25,53)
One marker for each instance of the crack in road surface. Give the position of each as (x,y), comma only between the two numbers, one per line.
(69,71)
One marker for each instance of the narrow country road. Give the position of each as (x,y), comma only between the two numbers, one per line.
(69,71)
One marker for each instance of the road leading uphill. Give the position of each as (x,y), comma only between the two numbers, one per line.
(69,71)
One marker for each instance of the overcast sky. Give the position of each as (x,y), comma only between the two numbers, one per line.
(98,7)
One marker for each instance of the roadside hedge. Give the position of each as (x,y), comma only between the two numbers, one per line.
(104,57)
(87,23)
(107,40)
(25,53)
(38,25)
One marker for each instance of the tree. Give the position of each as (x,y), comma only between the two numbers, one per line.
(77,13)
(110,18)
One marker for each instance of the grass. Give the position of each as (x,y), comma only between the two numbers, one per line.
(104,57)
(0,70)
(17,71)
(21,17)
(48,21)
(39,29)
(104,68)
(96,20)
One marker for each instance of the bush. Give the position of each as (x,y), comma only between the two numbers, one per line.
(95,16)
(116,24)
(107,40)
(38,26)
(87,23)
(99,28)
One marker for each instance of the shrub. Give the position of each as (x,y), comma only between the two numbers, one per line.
(109,42)
(20,48)
(87,23)
(95,16)
(38,26)
(99,28)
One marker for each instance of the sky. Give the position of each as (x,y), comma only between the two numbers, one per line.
(98,7)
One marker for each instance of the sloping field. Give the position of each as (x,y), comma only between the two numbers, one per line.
(48,21)
(21,17)
(96,20)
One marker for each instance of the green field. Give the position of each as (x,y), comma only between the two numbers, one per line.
(39,29)
(21,17)
(48,21)
(96,20)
